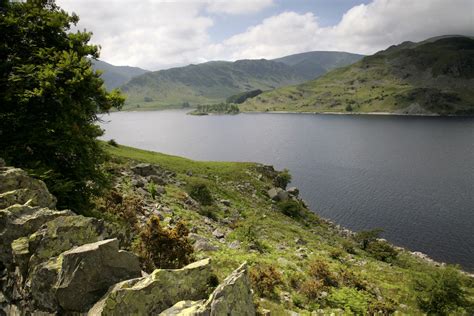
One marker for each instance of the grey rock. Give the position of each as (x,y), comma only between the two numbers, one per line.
(157,292)
(21,221)
(226,202)
(89,270)
(184,308)
(278,194)
(234,245)
(218,233)
(204,245)
(16,187)
(145,169)
(294,191)
(158,180)
(232,297)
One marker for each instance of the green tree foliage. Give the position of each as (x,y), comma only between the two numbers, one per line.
(283,179)
(50,98)
(442,293)
(199,191)
(241,97)
(365,237)
(219,108)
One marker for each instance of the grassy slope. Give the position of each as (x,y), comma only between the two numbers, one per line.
(429,77)
(213,82)
(115,76)
(206,83)
(240,183)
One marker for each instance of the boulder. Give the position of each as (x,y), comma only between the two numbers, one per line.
(158,180)
(88,271)
(144,169)
(232,297)
(204,245)
(152,294)
(278,194)
(183,308)
(16,187)
(293,191)
(218,233)
(64,233)
(42,284)
(21,221)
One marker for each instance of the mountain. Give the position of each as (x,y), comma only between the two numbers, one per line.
(214,81)
(435,76)
(314,64)
(115,76)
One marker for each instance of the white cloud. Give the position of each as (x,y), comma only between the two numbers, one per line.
(363,29)
(237,6)
(158,34)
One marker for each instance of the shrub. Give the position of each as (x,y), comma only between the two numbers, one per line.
(442,293)
(199,191)
(209,211)
(167,248)
(365,237)
(151,186)
(349,108)
(112,142)
(319,270)
(125,207)
(283,179)
(311,288)
(290,208)
(382,250)
(265,278)
(349,299)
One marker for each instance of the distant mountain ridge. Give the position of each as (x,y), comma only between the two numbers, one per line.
(115,76)
(215,81)
(435,76)
(314,64)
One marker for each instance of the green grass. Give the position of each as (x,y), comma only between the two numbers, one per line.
(262,226)
(428,78)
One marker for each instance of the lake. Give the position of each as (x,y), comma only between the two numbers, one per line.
(411,176)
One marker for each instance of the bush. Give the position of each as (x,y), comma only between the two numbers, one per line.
(382,250)
(319,270)
(199,191)
(151,187)
(290,208)
(349,108)
(349,299)
(112,142)
(209,211)
(365,237)
(167,248)
(265,278)
(312,288)
(442,293)
(283,179)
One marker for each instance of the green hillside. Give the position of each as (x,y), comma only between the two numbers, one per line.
(435,76)
(115,76)
(314,64)
(213,82)
(298,261)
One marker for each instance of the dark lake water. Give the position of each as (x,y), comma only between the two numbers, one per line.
(411,176)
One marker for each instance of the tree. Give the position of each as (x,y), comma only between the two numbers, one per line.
(442,293)
(365,237)
(50,98)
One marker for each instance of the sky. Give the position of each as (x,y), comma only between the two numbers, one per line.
(160,34)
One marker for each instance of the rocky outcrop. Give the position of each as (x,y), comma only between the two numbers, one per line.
(16,187)
(232,297)
(278,194)
(57,262)
(156,292)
